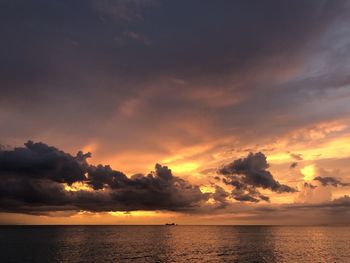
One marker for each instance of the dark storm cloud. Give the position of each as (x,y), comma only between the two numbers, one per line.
(247,174)
(330,181)
(32,180)
(38,160)
(252,170)
(101,176)
(157,190)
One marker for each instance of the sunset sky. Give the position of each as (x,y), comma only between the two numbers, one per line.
(194,112)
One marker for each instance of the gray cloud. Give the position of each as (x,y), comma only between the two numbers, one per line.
(38,160)
(249,173)
(330,181)
(220,196)
(32,180)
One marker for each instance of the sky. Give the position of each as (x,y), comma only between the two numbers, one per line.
(194,112)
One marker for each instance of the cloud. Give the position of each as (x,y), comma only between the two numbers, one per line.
(101,176)
(33,180)
(81,73)
(137,37)
(220,196)
(309,193)
(309,185)
(325,181)
(42,190)
(326,212)
(343,202)
(320,190)
(124,10)
(296,156)
(40,161)
(293,165)
(247,174)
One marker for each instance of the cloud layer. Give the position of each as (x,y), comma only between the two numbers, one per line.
(33,179)
(39,179)
(330,181)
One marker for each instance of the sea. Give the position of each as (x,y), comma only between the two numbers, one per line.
(174,244)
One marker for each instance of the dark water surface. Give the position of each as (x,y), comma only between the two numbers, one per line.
(174,244)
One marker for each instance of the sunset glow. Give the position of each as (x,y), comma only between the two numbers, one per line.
(308,172)
(193,112)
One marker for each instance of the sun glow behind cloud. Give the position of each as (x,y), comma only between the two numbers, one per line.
(185,167)
(207,189)
(135,213)
(308,172)
(77,186)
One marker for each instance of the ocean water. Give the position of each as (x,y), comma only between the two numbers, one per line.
(174,244)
